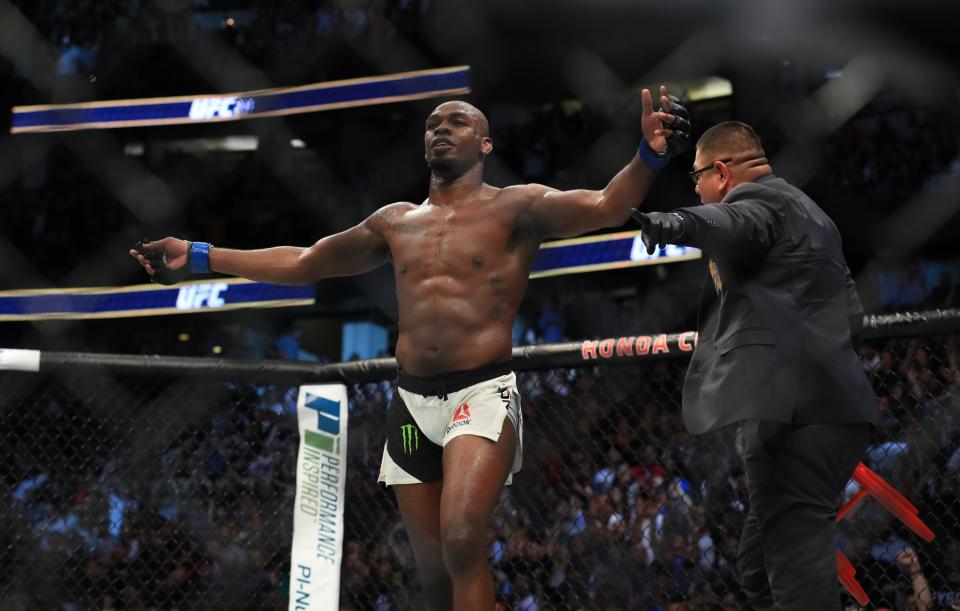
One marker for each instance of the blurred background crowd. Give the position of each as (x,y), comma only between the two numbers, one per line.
(71,203)
(617,507)
(153,494)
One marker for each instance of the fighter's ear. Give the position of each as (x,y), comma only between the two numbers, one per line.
(486,145)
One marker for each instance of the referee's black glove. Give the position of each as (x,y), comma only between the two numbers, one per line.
(659,228)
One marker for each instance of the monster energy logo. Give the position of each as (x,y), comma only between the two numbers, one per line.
(411,438)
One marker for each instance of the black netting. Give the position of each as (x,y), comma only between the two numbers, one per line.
(143,493)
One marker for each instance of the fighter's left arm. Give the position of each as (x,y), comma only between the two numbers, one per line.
(560,214)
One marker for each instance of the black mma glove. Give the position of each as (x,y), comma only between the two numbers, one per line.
(659,228)
(158,261)
(679,141)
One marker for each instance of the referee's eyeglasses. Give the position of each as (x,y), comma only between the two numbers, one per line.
(696,174)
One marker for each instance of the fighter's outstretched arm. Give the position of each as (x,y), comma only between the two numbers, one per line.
(562,214)
(353,251)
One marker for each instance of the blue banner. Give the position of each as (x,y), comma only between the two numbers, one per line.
(577,255)
(150,299)
(243,105)
(603,252)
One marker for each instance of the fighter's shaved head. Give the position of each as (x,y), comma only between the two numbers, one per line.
(468,109)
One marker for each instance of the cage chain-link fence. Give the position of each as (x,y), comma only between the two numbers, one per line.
(146,493)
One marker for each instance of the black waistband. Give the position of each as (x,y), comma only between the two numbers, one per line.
(452,381)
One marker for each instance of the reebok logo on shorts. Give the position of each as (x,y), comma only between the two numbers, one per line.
(460,418)
(462,413)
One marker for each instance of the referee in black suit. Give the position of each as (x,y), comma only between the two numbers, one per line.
(775,354)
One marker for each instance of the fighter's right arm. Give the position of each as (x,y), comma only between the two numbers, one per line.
(353,251)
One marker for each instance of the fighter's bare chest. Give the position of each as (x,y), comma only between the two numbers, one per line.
(443,233)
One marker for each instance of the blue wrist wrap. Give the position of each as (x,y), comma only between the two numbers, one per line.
(199,258)
(651,159)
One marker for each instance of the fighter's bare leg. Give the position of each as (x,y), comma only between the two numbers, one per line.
(474,472)
(420,508)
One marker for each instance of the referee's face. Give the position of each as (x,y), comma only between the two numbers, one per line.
(707,178)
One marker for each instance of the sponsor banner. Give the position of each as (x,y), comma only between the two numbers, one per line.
(150,299)
(633,346)
(243,105)
(321,491)
(19,360)
(603,252)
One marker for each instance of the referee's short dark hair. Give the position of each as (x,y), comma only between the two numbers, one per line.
(730,137)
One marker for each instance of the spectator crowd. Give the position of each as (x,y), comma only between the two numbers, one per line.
(172,494)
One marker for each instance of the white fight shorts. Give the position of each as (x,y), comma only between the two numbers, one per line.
(426,413)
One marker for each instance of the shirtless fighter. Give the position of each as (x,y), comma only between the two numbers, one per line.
(461,261)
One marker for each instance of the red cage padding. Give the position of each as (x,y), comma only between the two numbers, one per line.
(873,485)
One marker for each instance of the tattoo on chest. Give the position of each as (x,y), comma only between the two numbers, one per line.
(478,261)
(496,313)
(497,283)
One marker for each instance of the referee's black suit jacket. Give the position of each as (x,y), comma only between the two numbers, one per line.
(776,345)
